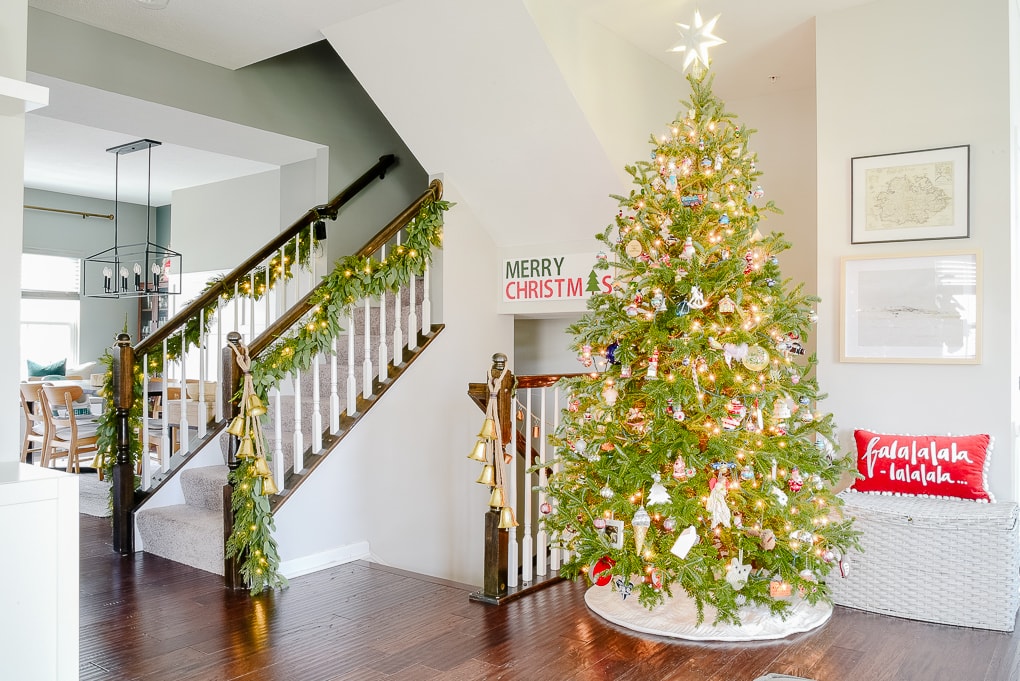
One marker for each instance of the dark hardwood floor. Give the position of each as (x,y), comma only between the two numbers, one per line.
(144,617)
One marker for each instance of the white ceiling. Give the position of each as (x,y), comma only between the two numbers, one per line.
(769,46)
(66,143)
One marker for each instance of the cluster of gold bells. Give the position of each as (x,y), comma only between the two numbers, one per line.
(247,427)
(492,473)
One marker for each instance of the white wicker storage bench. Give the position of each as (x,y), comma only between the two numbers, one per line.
(937,560)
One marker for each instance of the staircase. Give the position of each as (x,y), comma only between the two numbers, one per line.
(192,532)
(383,335)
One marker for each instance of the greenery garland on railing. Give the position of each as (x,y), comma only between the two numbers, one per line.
(296,252)
(352,278)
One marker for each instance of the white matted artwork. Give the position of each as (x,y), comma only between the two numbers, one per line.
(915,308)
(910,196)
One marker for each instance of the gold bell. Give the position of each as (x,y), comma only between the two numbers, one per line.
(236,427)
(488,431)
(262,467)
(247,449)
(269,486)
(506,518)
(496,499)
(488,476)
(478,453)
(255,406)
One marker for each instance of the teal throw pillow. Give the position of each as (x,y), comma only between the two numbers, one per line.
(55,369)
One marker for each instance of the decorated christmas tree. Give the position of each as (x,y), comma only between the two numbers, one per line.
(692,459)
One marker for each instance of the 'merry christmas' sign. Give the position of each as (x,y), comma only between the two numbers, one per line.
(558,277)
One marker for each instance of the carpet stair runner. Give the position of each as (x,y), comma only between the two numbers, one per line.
(192,533)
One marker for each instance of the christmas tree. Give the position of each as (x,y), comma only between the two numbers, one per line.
(692,459)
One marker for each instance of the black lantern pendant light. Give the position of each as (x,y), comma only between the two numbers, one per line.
(138,269)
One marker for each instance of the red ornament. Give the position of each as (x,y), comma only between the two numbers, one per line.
(601,572)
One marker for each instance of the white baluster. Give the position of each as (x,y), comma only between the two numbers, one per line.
(299,438)
(218,361)
(334,396)
(144,435)
(513,553)
(384,359)
(202,419)
(236,322)
(398,331)
(527,548)
(542,539)
(164,445)
(278,462)
(251,305)
(267,297)
(368,375)
(554,557)
(352,384)
(283,284)
(316,408)
(412,316)
(426,305)
(185,445)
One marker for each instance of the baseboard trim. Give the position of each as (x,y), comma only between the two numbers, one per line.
(326,559)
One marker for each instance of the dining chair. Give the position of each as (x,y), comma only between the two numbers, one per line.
(66,433)
(35,421)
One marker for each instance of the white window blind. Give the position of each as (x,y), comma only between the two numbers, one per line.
(50,273)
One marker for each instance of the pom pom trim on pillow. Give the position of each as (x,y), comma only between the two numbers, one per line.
(938,466)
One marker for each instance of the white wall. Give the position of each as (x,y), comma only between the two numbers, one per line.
(13,30)
(931,73)
(506,125)
(625,94)
(401,480)
(542,346)
(215,226)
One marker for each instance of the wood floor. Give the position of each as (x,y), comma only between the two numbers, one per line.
(144,617)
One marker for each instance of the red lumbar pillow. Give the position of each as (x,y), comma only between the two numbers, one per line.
(924,465)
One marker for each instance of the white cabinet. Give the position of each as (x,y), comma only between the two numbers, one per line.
(39,598)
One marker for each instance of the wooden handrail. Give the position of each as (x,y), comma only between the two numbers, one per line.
(301,308)
(241,272)
(479,392)
(544,380)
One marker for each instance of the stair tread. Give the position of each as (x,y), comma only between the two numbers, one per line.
(184,533)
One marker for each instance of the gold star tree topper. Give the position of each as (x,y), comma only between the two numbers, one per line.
(696,38)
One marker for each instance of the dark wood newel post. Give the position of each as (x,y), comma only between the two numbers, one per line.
(123,470)
(232,379)
(495,568)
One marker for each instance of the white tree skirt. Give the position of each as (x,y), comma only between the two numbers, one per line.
(677,617)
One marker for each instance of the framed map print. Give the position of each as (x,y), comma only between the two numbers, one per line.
(910,196)
(912,309)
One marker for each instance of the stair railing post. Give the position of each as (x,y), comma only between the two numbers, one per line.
(496,559)
(232,380)
(123,470)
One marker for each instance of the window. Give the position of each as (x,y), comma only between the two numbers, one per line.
(50,309)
